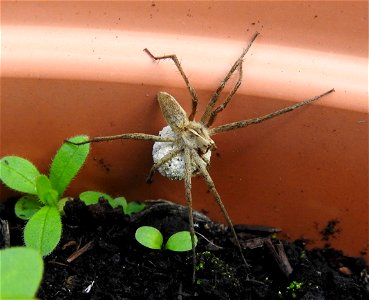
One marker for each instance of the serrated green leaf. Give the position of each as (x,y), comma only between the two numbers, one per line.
(19,174)
(92,197)
(47,194)
(21,273)
(149,237)
(119,201)
(43,230)
(133,207)
(180,241)
(67,162)
(27,206)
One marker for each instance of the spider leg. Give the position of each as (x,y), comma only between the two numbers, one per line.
(208,111)
(187,180)
(204,172)
(159,163)
(221,107)
(133,136)
(245,123)
(188,84)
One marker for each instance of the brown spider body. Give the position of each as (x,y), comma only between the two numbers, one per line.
(189,134)
(191,141)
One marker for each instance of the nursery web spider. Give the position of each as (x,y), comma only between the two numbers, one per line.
(191,141)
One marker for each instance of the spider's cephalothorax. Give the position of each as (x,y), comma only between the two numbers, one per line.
(187,144)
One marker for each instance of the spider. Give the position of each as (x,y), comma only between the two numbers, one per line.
(189,142)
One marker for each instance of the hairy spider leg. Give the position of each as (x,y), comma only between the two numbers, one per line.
(126,136)
(209,108)
(188,195)
(192,91)
(221,107)
(205,174)
(245,123)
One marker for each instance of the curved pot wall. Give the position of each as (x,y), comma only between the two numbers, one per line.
(78,68)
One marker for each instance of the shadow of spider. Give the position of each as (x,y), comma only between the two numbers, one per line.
(190,142)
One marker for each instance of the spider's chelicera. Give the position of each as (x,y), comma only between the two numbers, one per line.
(183,148)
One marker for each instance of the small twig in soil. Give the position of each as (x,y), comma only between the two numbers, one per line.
(280,256)
(171,208)
(180,291)
(80,251)
(260,230)
(68,244)
(53,262)
(254,243)
(209,241)
(4,229)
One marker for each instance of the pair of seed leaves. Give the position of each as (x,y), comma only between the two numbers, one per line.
(152,238)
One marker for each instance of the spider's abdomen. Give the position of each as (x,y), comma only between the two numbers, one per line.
(174,168)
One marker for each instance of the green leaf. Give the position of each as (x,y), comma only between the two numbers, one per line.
(21,273)
(134,207)
(47,194)
(128,208)
(43,230)
(92,197)
(119,201)
(67,162)
(19,174)
(149,237)
(27,206)
(180,241)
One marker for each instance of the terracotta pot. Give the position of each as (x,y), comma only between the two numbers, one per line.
(78,68)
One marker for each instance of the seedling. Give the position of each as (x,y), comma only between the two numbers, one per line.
(152,238)
(43,204)
(183,148)
(21,273)
(128,208)
(294,288)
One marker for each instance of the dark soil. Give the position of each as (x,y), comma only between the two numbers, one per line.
(98,258)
